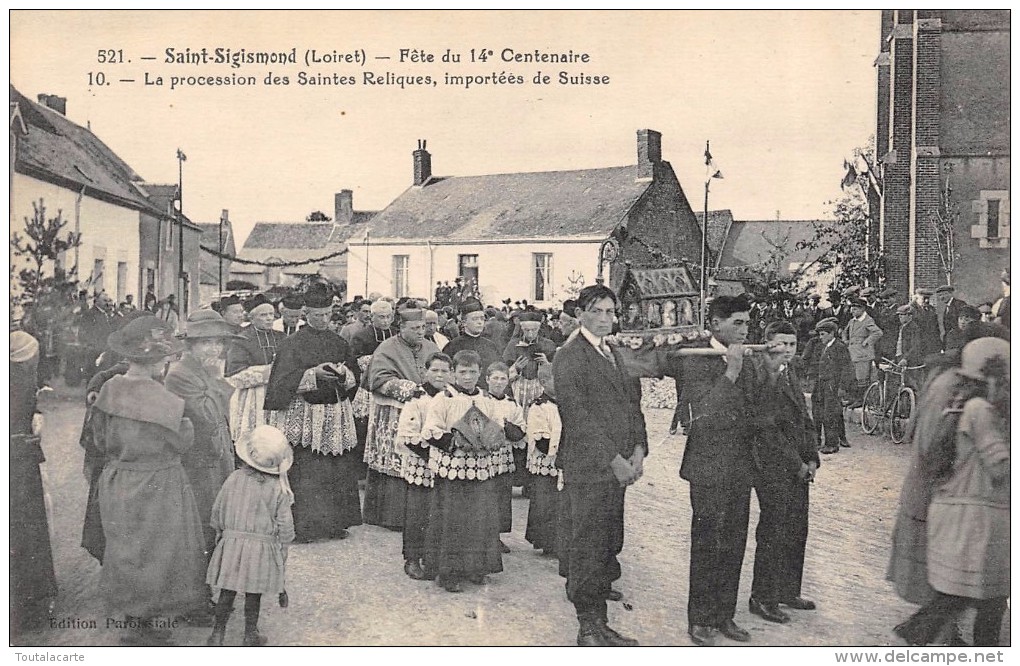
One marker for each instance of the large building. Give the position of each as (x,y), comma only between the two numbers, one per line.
(297,243)
(129,232)
(531,236)
(942,138)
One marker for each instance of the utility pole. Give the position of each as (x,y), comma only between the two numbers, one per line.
(181,286)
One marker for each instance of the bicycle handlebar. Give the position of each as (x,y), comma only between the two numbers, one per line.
(895,368)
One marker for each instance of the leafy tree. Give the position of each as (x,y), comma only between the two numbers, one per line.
(43,280)
(842,244)
(317,216)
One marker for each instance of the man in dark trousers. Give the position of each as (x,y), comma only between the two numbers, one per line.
(602,451)
(836,380)
(786,459)
(947,310)
(718,465)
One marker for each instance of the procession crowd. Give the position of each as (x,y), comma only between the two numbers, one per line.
(214,443)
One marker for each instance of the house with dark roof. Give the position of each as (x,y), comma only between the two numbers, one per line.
(73,172)
(215,271)
(533,236)
(300,242)
(160,247)
(750,248)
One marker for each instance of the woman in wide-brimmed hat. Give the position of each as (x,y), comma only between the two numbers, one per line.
(197,378)
(153,562)
(968,530)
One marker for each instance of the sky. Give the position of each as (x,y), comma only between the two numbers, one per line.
(783,96)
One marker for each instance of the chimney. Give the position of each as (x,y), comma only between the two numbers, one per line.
(343,207)
(422,164)
(58,104)
(649,153)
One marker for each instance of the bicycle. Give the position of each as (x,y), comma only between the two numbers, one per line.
(878,406)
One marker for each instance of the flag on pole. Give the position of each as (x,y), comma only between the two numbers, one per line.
(850,177)
(711,170)
(181,156)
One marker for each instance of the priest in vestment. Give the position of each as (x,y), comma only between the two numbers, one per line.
(249,362)
(309,396)
(396,372)
(473,320)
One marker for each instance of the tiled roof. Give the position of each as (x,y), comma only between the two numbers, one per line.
(59,151)
(513,205)
(289,235)
(753,241)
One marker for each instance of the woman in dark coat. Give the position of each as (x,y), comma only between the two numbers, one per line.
(153,563)
(196,379)
(33,582)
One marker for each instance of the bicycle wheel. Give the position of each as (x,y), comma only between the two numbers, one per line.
(902,412)
(871,408)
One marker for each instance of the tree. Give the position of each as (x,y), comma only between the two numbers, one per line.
(43,281)
(317,216)
(842,244)
(944,221)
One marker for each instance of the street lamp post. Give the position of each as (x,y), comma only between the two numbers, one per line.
(181,296)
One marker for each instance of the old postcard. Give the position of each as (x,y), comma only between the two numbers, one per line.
(327,326)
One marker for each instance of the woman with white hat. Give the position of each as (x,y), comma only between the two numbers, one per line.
(153,563)
(33,583)
(254,523)
(968,519)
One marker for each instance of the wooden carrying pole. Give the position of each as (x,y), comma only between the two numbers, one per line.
(711,351)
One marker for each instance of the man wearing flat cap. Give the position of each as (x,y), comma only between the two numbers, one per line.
(308,397)
(927,320)
(909,349)
(290,315)
(947,309)
(836,381)
(861,336)
(249,362)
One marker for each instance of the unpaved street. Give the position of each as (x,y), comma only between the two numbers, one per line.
(354,592)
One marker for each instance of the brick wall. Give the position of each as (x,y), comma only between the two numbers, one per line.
(928,271)
(896,195)
(664,219)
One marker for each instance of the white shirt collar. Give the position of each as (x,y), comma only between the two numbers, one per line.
(863,315)
(595,341)
(830,342)
(715,344)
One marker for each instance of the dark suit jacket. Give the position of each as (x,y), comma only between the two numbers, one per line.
(928,323)
(718,448)
(96,326)
(600,408)
(913,346)
(951,321)
(784,435)
(835,369)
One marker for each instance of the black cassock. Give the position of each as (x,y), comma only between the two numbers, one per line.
(325,484)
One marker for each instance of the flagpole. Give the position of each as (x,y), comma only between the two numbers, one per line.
(704,252)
